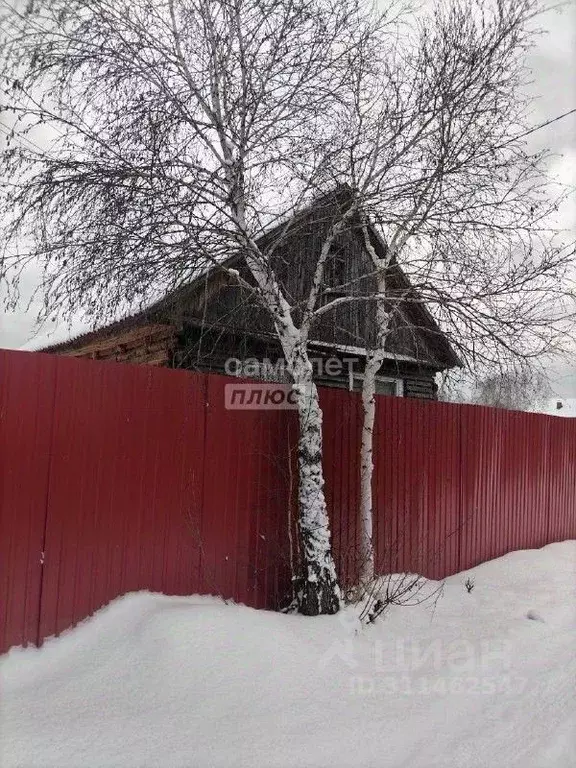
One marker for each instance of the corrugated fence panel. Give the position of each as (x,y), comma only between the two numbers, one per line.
(562,479)
(394,508)
(126,475)
(26,417)
(123,477)
(523,479)
(247,500)
(438,543)
(341,443)
(481,461)
(417,487)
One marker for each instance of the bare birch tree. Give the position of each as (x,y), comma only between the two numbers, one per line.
(180,129)
(436,129)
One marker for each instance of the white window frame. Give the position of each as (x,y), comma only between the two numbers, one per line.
(398,383)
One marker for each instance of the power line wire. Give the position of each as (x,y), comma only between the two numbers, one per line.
(545,124)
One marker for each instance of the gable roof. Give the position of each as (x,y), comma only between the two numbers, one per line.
(165,309)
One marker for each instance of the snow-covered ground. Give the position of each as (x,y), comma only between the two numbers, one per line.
(480,679)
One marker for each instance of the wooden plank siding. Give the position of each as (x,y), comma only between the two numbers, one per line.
(147,344)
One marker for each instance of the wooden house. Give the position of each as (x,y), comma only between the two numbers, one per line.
(216,318)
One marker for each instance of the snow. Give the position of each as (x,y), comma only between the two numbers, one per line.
(484,679)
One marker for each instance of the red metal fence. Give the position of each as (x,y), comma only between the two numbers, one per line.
(115,478)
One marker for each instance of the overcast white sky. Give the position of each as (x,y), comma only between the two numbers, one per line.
(553,64)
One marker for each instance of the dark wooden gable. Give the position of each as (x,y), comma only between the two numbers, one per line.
(231,307)
(217,315)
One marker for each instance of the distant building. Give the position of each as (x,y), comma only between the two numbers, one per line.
(558,406)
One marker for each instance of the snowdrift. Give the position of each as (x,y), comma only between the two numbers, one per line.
(482,678)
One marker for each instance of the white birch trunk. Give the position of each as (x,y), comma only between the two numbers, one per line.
(318,591)
(366,546)
(374,360)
